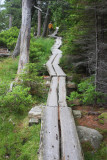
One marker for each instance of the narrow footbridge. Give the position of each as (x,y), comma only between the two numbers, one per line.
(59,138)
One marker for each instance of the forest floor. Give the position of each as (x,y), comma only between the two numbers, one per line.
(91,117)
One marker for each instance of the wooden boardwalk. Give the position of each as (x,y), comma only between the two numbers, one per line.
(59,138)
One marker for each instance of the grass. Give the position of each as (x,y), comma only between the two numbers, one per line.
(8,69)
(17,139)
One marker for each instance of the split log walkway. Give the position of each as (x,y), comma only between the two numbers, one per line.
(59,138)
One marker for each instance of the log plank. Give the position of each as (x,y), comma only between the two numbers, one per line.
(62,92)
(51,134)
(52,95)
(70,145)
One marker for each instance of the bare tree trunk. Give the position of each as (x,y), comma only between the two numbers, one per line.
(25,34)
(45,26)
(96,60)
(10,21)
(16,51)
(39,21)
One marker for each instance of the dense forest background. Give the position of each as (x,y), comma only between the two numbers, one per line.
(83,28)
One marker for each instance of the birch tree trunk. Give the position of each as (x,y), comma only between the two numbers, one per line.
(39,21)
(25,34)
(16,51)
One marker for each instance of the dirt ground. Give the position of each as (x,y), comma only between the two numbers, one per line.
(90,117)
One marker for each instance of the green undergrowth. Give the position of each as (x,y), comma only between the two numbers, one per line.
(40,52)
(86,93)
(17,139)
(90,154)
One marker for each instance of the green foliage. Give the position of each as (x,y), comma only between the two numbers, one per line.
(14,8)
(3,20)
(39,52)
(18,140)
(103,115)
(101,121)
(8,69)
(86,93)
(29,78)
(8,38)
(73,96)
(18,100)
(100,154)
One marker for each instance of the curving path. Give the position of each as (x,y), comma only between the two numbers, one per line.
(59,138)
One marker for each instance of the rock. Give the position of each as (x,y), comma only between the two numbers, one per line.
(47,83)
(77,113)
(33,121)
(71,85)
(35,114)
(90,135)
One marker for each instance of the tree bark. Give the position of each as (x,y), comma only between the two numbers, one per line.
(45,26)
(10,21)
(96,59)
(39,21)
(16,51)
(25,34)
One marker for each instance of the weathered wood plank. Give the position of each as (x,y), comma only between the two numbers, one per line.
(62,92)
(50,70)
(49,65)
(51,134)
(56,51)
(52,95)
(71,149)
(58,70)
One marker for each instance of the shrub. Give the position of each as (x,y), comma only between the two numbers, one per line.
(8,38)
(29,78)
(86,93)
(18,100)
(73,96)
(39,52)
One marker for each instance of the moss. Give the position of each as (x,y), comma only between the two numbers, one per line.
(86,146)
(103,115)
(100,154)
(101,121)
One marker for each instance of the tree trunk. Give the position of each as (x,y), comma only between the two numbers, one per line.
(39,21)
(45,26)
(25,34)
(16,51)
(10,21)
(96,60)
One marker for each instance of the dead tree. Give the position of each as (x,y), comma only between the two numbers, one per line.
(16,51)
(39,20)
(25,34)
